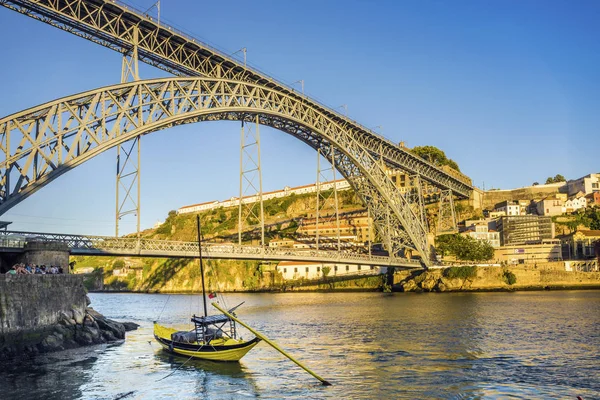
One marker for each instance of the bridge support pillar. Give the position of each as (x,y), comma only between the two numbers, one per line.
(47,253)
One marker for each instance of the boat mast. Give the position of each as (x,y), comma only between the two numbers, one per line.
(201,266)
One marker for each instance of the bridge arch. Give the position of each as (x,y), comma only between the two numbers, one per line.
(42,143)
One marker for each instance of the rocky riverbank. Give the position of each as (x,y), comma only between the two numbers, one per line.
(74,329)
(466,279)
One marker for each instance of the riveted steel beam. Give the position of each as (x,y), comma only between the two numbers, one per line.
(114,25)
(76,128)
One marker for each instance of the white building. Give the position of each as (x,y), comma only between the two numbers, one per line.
(586,184)
(508,208)
(484,233)
(576,202)
(294,270)
(340,184)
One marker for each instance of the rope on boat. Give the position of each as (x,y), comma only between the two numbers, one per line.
(164,377)
(163,309)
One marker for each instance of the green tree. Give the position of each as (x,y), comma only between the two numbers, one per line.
(464,247)
(434,156)
(557,178)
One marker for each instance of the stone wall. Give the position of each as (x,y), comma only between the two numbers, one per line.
(32,302)
(493,197)
(47,253)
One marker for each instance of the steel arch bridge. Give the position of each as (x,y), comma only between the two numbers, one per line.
(44,142)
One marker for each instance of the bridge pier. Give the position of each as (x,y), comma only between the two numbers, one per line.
(47,253)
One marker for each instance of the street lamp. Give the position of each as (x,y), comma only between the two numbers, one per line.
(242,50)
(345,107)
(301,82)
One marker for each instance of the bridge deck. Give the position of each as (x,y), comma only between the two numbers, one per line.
(15,241)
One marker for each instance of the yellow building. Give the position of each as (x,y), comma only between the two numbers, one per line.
(355,227)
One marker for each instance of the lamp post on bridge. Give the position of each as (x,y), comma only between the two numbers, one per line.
(301,82)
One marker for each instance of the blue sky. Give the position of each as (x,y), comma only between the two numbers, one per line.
(508,89)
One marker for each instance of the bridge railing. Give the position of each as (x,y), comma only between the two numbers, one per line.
(141,246)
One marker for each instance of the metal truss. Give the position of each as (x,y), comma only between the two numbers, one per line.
(414,196)
(42,143)
(128,190)
(446,214)
(120,27)
(327,209)
(111,246)
(250,212)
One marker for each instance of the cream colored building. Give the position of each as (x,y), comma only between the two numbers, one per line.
(549,250)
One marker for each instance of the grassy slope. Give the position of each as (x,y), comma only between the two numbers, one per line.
(182,275)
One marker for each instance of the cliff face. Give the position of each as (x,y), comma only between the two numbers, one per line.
(495,278)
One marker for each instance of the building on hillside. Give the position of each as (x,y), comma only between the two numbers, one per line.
(548,250)
(295,270)
(495,214)
(576,202)
(511,207)
(551,206)
(340,184)
(354,227)
(286,243)
(524,229)
(593,199)
(483,233)
(586,184)
(581,244)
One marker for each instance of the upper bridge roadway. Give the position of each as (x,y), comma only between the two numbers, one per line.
(122,28)
(14,241)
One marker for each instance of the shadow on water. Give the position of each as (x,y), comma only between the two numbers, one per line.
(232,378)
(184,363)
(50,376)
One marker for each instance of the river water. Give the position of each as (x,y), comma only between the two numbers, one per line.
(523,345)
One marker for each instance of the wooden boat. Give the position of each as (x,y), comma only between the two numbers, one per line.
(214,337)
(207,341)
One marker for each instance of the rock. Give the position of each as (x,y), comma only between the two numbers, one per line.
(77,316)
(117,329)
(409,286)
(88,320)
(83,338)
(95,333)
(428,284)
(87,300)
(51,343)
(130,326)
(108,336)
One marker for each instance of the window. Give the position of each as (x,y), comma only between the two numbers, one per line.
(347,268)
(335,268)
(295,269)
(372,267)
(306,269)
(318,269)
(284,270)
(359,267)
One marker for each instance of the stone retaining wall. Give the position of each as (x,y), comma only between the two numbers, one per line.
(32,302)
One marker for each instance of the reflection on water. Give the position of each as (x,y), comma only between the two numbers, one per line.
(479,345)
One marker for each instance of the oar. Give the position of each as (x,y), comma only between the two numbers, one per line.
(272,344)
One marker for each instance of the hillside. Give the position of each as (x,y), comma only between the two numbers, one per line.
(282,217)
